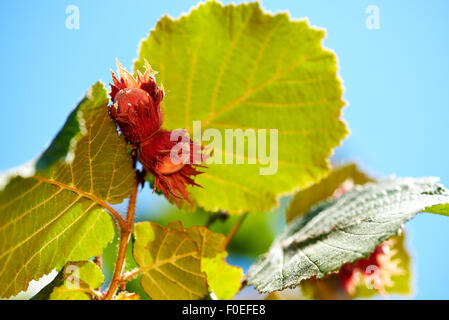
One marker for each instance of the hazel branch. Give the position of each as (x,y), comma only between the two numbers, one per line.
(125,233)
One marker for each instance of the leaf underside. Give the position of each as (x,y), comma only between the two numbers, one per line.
(237,67)
(57,214)
(343,230)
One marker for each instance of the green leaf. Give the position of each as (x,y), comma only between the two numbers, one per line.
(442,209)
(223,279)
(80,279)
(237,67)
(56,213)
(170,262)
(176,262)
(305,199)
(343,230)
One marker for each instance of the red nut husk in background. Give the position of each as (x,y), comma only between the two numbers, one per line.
(377,270)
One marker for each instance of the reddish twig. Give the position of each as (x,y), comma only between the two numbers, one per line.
(125,233)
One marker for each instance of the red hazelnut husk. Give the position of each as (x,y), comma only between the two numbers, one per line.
(136,110)
(171,177)
(136,104)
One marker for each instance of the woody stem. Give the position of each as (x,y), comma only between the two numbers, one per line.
(125,232)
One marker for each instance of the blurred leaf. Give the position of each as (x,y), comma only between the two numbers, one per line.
(56,213)
(305,199)
(343,230)
(328,288)
(254,236)
(170,262)
(135,286)
(80,279)
(237,67)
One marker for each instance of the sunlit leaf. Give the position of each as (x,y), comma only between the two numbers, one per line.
(170,262)
(442,209)
(176,262)
(223,279)
(237,67)
(56,213)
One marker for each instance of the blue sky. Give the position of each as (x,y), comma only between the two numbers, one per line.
(395,78)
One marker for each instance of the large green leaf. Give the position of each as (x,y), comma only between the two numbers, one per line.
(56,213)
(236,67)
(343,230)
